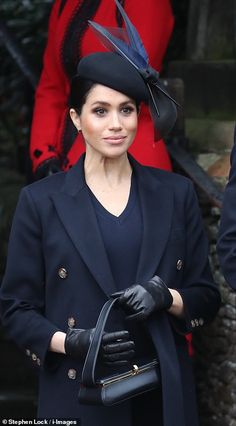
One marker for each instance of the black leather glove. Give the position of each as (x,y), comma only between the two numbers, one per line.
(116,347)
(47,168)
(143,299)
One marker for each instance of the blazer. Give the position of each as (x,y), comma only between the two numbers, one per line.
(69,39)
(226,245)
(58,275)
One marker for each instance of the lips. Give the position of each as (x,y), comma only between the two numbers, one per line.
(115,139)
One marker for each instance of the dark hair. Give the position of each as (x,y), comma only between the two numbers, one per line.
(79,91)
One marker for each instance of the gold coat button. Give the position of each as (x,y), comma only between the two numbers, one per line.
(62,272)
(72,374)
(193,323)
(179,264)
(196,322)
(71,322)
(34,357)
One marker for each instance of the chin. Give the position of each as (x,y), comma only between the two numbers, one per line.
(115,153)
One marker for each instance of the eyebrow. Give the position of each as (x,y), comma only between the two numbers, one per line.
(108,104)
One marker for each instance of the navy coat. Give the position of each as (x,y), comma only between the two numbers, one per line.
(58,274)
(226,245)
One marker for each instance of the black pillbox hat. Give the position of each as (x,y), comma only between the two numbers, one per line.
(112,70)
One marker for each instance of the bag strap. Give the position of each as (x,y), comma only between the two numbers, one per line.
(88,373)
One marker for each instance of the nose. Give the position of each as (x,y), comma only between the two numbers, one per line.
(115,123)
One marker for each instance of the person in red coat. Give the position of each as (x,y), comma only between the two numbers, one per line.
(54,144)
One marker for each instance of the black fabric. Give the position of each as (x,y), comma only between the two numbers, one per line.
(118,15)
(70,51)
(62,5)
(47,168)
(147,409)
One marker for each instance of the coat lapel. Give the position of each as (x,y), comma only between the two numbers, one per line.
(77,215)
(74,207)
(156,201)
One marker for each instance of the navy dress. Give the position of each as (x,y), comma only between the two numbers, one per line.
(122,237)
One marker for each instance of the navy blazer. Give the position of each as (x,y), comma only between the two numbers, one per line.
(226,245)
(58,274)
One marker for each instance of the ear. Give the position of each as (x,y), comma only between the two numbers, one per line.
(75,118)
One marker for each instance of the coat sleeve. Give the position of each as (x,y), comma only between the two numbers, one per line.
(200,295)
(22,294)
(154,21)
(50,100)
(226,245)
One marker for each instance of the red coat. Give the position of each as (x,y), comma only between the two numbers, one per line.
(52,131)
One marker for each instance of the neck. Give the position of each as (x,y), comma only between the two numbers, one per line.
(112,171)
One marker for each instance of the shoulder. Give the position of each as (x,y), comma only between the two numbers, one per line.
(45,187)
(169,184)
(176,181)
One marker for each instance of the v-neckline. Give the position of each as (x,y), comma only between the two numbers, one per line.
(100,209)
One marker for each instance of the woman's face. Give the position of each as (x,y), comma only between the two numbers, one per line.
(108,121)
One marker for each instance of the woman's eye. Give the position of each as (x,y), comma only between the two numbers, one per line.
(100,111)
(127,110)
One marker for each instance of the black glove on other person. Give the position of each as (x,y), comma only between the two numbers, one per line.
(116,347)
(143,299)
(47,168)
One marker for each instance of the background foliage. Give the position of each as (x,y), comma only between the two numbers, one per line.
(27,22)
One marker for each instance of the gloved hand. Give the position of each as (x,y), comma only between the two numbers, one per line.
(143,299)
(116,347)
(47,168)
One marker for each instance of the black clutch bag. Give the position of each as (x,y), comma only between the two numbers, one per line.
(115,388)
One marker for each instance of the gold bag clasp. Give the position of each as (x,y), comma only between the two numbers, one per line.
(135,369)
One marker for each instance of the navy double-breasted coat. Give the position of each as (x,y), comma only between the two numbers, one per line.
(58,274)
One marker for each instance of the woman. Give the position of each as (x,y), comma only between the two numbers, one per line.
(110,225)
(54,145)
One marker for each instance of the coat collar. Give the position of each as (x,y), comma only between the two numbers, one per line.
(74,207)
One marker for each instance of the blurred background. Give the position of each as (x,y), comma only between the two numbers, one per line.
(200,66)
